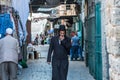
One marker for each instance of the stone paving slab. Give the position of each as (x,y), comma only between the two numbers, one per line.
(78,71)
(37,70)
(40,70)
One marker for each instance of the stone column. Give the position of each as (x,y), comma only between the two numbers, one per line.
(105,55)
(105,62)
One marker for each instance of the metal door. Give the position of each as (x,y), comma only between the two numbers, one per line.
(98,53)
(90,44)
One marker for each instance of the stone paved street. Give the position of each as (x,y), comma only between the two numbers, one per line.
(40,70)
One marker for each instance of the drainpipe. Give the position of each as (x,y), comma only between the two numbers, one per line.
(105,56)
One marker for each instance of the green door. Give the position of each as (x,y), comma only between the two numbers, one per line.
(90,44)
(98,53)
(93,44)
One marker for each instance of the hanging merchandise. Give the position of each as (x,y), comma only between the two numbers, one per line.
(5,22)
(21,32)
(23,12)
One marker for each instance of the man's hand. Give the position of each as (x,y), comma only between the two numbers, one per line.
(62,37)
(49,63)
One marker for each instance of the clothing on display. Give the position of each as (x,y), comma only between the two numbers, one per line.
(5,22)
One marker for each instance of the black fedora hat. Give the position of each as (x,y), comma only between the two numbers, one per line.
(62,28)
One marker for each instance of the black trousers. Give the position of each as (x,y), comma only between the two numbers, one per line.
(74,52)
(59,69)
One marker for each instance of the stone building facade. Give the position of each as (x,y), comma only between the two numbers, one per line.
(111,23)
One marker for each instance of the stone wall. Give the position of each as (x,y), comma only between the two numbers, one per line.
(111,11)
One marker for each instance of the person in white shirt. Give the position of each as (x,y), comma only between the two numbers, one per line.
(9,49)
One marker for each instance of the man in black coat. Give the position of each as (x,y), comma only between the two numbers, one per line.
(60,47)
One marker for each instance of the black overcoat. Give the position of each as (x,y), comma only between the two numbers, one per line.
(60,51)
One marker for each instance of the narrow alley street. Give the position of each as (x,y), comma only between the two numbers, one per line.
(39,70)
(28,26)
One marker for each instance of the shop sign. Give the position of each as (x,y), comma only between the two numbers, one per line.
(5,2)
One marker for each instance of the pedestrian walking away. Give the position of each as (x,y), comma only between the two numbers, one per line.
(75,46)
(60,46)
(9,49)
